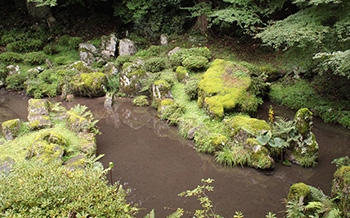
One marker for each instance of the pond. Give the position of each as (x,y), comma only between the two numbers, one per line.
(156,164)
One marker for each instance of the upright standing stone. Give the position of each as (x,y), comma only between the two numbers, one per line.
(108,46)
(126,47)
(163,39)
(87,53)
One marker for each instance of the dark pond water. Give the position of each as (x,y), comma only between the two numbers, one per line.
(156,164)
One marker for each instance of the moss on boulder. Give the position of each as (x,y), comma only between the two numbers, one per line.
(89,84)
(299,190)
(341,188)
(38,113)
(10,128)
(130,77)
(303,121)
(224,88)
(252,126)
(48,146)
(260,158)
(77,123)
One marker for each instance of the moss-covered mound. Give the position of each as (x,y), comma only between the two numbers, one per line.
(224,88)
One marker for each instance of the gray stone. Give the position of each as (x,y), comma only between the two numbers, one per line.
(163,39)
(176,49)
(108,47)
(126,47)
(87,53)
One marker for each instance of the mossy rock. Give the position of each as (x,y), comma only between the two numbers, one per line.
(79,161)
(181,73)
(303,121)
(10,128)
(252,126)
(223,88)
(38,113)
(130,76)
(77,123)
(164,104)
(88,145)
(260,158)
(306,155)
(160,90)
(341,188)
(48,146)
(299,190)
(89,84)
(82,67)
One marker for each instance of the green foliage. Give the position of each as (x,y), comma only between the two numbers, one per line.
(200,192)
(50,49)
(32,190)
(46,83)
(34,58)
(172,113)
(195,63)
(82,110)
(337,62)
(191,89)
(233,155)
(15,82)
(154,65)
(11,57)
(342,161)
(140,101)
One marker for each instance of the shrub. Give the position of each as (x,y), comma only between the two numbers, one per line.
(15,82)
(140,101)
(50,49)
(32,190)
(34,58)
(233,156)
(195,62)
(11,57)
(74,42)
(181,73)
(28,45)
(200,51)
(154,65)
(191,89)
(176,58)
(122,59)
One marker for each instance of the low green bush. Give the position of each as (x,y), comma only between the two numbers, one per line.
(154,65)
(32,190)
(194,62)
(11,57)
(15,82)
(34,58)
(140,101)
(50,49)
(191,89)
(28,45)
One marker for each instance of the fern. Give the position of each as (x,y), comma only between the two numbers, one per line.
(334,213)
(317,194)
(177,214)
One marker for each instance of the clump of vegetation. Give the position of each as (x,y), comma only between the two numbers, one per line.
(141,101)
(154,65)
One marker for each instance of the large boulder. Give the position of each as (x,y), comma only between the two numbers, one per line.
(126,47)
(87,53)
(130,76)
(225,88)
(89,84)
(108,46)
(48,146)
(305,150)
(10,128)
(38,113)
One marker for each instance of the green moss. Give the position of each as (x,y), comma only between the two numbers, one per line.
(303,121)
(81,67)
(181,73)
(298,190)
(250,125)
(162,83)
(223,87)
(341,171)
(167,102)
(11,127)
(140,101)
(261,160)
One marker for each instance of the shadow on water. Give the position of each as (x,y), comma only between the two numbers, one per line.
(156,164)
